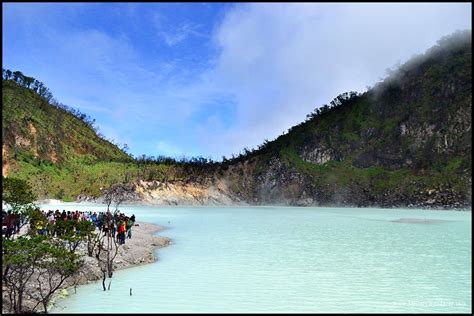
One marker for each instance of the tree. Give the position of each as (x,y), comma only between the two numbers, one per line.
(125,147)
(42,90)
(56,267)
(35,86)
(18,77)
(7,74)
(76,233)
(116,194)
(92,239)
(17,193)
(19,196)
(107,246)
(35,267)
(28,81)
(19,259)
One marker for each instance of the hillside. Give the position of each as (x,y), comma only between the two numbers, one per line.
(406,142)
(41,140)
(34,128)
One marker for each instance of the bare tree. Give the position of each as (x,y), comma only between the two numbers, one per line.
(92,240)
(107,245)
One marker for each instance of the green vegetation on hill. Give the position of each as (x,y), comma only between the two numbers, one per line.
(36,129)
(52,146)
(407,141)
(59,152)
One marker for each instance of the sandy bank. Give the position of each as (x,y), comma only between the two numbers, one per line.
(138,250)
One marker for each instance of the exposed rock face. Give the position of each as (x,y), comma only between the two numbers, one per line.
(158,193)
(408,135)
(177,193)
(317,155)
(404,143)
(282,185)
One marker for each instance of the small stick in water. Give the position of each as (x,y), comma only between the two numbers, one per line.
(130,291)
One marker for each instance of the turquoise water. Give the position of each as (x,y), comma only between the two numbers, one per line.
(283,259)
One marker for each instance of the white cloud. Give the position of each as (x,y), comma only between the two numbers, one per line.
(181,33)
(175,34)
(281,61)
(275,62)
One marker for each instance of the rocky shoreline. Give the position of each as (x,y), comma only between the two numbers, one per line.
(429,204)
(138,250)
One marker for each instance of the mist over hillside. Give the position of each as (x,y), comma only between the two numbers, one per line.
(405,142)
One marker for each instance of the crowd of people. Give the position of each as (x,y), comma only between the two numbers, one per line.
(117,223)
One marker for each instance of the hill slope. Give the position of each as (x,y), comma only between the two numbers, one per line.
(41,141)
(33,127)
(405,142)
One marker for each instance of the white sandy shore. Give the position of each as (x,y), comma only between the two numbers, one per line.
(138,250)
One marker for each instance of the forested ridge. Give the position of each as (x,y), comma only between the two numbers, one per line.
(404,142)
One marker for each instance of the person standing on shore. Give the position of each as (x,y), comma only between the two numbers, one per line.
(100,221)
(39,227)
(94,219)
(121,231)
(17,219)
(130,223)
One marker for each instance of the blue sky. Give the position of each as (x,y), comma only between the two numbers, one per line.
(212,78)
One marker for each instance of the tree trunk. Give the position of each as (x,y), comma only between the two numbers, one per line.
(5,273)
(103,280)
(45,306)
(19,303)
(111,273)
